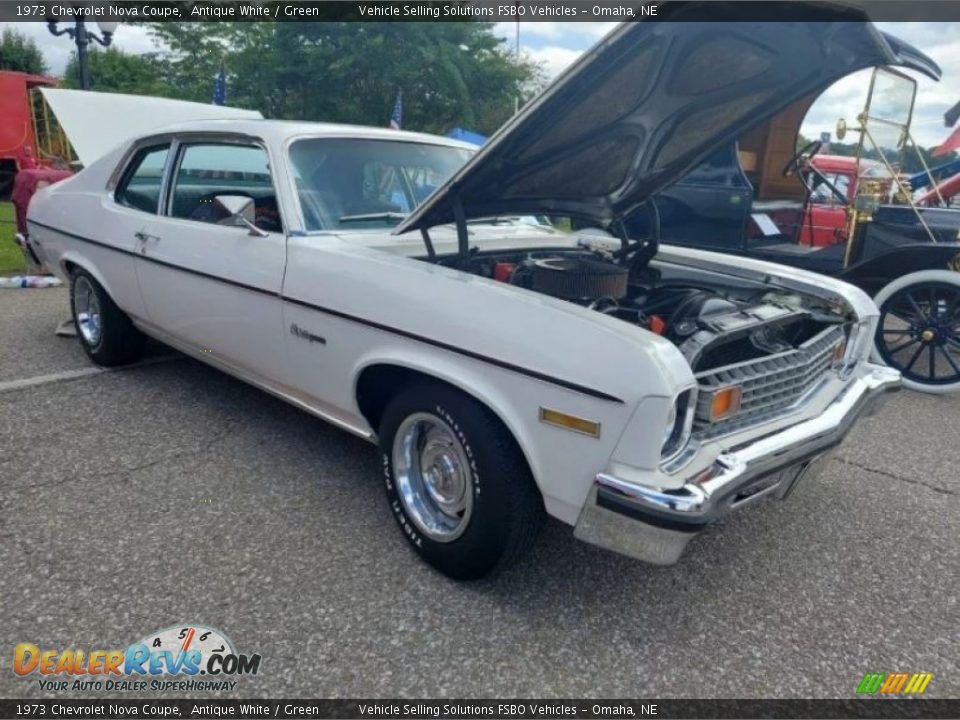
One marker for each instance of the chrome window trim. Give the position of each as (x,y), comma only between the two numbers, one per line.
(181,141)
(126,165)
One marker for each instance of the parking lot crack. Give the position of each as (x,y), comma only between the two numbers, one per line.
(123,472)
(894,476)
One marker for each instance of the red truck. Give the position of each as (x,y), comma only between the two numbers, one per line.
(825,218)
(29,134)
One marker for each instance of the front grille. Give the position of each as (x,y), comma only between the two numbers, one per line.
(771,386)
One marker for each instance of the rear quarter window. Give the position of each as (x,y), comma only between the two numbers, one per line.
(140,186)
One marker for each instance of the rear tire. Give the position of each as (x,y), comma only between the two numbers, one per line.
(438,448)
(106,333)
(919,330)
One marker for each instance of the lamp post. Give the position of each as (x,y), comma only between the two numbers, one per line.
(82,37)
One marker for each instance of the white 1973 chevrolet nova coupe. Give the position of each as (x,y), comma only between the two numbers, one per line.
(507,369)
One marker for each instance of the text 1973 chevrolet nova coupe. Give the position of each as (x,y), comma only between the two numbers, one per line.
(507,370)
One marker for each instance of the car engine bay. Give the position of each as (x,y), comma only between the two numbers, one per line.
(713,323)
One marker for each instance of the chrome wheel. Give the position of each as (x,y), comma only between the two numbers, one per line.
(87,309)
(433,476)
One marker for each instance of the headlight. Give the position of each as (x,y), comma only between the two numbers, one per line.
(679,425)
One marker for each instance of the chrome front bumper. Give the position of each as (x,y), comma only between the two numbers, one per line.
(655,525)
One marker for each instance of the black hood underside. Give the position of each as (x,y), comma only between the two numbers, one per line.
(651,101)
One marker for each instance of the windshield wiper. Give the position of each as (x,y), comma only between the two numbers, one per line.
(373,216)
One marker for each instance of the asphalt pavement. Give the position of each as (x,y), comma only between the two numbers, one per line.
(169,494)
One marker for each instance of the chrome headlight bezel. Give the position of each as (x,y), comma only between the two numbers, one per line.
(858,346)
(679,426)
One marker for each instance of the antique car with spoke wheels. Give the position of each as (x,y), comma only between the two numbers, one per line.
(919,327)
(853,218)
(391,283)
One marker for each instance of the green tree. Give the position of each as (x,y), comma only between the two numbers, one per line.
(911,163)
(846,149)
(450,73)
(112,70)
(19,52)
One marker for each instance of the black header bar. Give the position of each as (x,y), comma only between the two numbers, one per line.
(433,11)
(477,709)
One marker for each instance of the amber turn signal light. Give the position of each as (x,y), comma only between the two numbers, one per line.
(726,402)
(570,422)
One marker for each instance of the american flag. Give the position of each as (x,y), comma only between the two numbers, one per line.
(397,111)
(951,143)
(220,88)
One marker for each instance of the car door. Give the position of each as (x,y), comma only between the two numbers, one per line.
(134,202)
(211,285)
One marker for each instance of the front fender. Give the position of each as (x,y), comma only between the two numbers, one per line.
(563,463)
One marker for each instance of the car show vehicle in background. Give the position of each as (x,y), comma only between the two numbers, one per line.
(30,137)
(855,219)
(507,370)
(824,220)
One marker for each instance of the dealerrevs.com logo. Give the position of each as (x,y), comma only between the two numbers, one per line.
(898,683)
(186,657)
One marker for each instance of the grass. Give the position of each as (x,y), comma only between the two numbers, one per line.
(11,259)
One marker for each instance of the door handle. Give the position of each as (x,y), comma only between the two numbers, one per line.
(143,238)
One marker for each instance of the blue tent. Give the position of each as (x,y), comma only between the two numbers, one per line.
(939,172)
(467,136)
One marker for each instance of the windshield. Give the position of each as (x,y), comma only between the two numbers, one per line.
(356,183)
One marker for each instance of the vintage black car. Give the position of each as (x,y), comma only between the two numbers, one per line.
(754,196)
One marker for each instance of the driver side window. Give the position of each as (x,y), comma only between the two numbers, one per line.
(208,170)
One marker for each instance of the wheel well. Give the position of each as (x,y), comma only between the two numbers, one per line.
(378,383)
(69,267)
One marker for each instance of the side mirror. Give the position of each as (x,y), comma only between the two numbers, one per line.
(240,209)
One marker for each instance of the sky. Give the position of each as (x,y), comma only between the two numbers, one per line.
(557,44)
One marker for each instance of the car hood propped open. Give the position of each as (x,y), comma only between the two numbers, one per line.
(96,122)
(651,101)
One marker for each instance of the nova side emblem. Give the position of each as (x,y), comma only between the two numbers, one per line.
(306,334)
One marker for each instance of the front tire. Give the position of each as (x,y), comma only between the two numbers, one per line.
(439,447)
(106,333)
(919,330)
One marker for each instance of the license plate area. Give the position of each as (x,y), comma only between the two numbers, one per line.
(778,484)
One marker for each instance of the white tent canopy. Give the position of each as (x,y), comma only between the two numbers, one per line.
(97,122)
